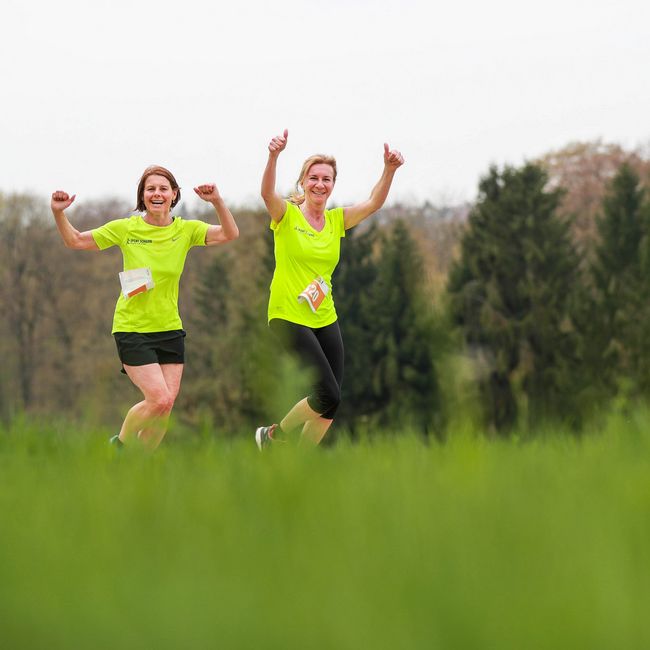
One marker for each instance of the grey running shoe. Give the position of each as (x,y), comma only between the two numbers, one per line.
(264,436)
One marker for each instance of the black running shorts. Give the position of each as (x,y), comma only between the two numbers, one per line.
(135,349)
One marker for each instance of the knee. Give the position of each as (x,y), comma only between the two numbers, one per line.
(327,400)
(162,403)
(334,399)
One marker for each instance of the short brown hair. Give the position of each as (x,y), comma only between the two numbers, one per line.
(156,170)
(298,197)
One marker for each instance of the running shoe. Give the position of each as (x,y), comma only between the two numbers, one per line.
(115,440)
(264,436)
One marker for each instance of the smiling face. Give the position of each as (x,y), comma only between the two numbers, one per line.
(157,190)
(318,165)
(318,183)
(158,195)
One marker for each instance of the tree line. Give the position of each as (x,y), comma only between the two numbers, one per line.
(525,308)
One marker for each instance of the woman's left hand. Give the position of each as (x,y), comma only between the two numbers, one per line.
(208,192)
(392,159)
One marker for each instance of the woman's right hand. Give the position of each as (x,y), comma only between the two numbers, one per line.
(72,238)
(61,200)
(278,143)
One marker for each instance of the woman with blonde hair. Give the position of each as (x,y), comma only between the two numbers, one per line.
(301,309)
(147,326)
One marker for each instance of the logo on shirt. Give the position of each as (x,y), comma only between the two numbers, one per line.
(133,240)
(302,231)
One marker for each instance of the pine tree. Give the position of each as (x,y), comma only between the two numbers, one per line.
(390,377)
(511,294)
(617,327)
(403,345)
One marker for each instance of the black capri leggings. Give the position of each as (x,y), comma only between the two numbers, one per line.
(321,348)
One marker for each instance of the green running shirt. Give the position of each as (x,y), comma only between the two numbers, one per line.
(163,249)
(301,255)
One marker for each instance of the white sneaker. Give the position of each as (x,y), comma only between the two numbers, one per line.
(264,436)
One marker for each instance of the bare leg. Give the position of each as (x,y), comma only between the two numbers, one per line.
(314,431)
(137,417)
(152,436)
(153,412)
(298,415)
(314,427)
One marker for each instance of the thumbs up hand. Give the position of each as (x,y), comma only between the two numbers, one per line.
(278,143)
(392,158)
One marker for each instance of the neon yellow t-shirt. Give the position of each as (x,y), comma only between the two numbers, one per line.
(301,255)
(163,249)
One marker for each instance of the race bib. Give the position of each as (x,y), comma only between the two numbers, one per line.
(136,281)
(314,293)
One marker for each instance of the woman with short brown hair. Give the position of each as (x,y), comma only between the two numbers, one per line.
(147,327)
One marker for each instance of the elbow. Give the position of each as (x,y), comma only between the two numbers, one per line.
(234,234)
(75,243)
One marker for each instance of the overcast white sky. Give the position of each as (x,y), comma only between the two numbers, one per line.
(93,91)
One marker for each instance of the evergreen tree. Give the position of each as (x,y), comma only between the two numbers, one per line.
(389,335)
(390,379)
(617,327)
(404,379)
(512,295)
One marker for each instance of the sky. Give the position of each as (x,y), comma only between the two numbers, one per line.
(92,92)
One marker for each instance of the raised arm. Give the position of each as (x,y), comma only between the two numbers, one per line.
(72,238)
(227,229)
(357,213)
(275,204)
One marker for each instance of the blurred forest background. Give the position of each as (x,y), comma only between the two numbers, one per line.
(527,308)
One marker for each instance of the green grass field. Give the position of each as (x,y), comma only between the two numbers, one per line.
(392,543)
